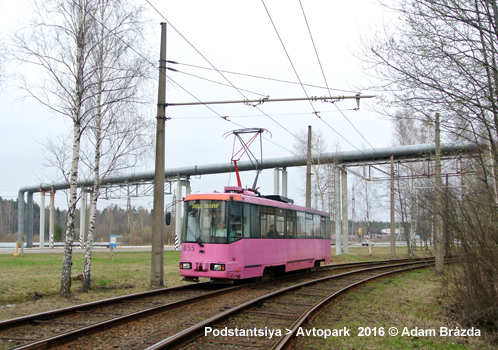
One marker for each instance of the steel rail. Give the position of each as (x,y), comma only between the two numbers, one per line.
(20,321)
(190,334)
(72,335)
(285,343)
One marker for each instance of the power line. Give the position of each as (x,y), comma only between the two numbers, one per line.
(300,82)
(287,54)
(212,81)
(264,78)
(324,77)
(195,49)
(236,87)
(169,78)
(213,67)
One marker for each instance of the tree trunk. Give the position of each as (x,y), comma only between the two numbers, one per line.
(67,262)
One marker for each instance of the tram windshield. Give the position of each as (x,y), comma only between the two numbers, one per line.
(205,222)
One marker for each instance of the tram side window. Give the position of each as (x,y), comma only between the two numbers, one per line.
(328,227)
(279,223)
(255,221)
(324,225)
(301,225)
(246,220)
(234,221)
(268,222)
(290,220)
(316,226)
(309,225)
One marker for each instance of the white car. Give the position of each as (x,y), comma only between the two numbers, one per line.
(365,242)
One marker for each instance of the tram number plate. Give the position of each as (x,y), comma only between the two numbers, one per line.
(189,247)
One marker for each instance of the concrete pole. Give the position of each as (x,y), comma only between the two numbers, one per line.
(42,219)
(29,240)
(178,216)
(284,182)
(20,216)
(51,225)
(337,211)
(82,219)
(276,181)
(188,189)
(439,205)
(308,171)
(393,223)
(345,233)
(157,256)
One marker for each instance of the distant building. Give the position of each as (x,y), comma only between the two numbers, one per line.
(387,232)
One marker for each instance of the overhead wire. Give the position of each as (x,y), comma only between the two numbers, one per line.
(230,83)
(325,78)
(169,77)
(213,81)
(265,78)
(219,72)
(299,79)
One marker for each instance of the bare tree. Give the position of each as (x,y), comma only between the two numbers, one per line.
(81,49)
(119,135)
(441,58)
(58,42)
(322,180)
(409,130)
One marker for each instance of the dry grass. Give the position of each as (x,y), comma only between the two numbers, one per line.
(357,254)
(410,300)
(30,284)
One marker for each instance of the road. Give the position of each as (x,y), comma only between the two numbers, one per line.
(36,250)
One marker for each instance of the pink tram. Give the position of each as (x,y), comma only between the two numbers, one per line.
(240,234)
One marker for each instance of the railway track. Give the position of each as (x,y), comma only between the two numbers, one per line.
(83,325)
(271,321)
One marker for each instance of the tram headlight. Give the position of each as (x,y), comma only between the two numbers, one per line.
(217,267)
(185,265)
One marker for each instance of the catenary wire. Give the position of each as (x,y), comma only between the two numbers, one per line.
(264,78)
(170,79)
(212,81)
(323,74)
(299,79)
(240,92)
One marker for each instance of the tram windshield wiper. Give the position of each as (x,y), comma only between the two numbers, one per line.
(198,240)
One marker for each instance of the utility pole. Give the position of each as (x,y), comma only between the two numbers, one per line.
(51,227)
(345,233)
(353,212)
(308,171)
(157,258)
(42,219)
(393,223)
(439,205)
(337,210)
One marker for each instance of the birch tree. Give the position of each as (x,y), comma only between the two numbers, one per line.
(57,43)
(118,134)
(82,50)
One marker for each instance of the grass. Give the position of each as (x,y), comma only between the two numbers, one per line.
(31,283)
(33,280)
(410,300)
(360,254)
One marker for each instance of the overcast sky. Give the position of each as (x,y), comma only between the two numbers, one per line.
(234,36)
